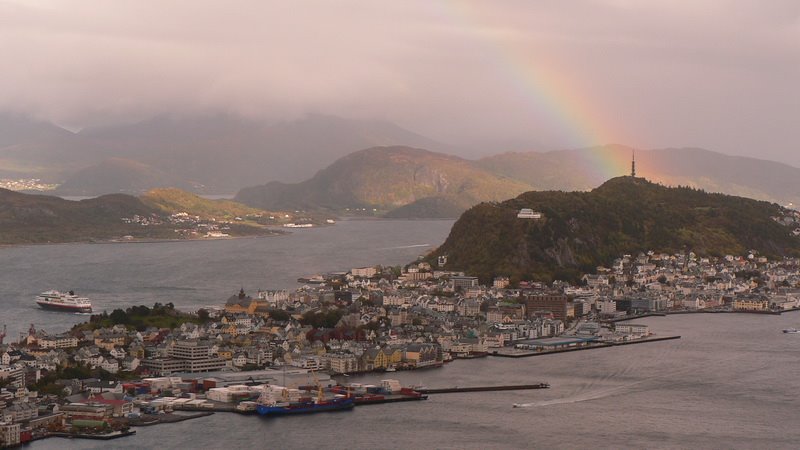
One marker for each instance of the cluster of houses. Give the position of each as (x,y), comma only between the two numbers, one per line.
(186,225)
(379,320)
(659,282)
(26,184)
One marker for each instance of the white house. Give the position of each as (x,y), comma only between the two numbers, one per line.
(527,213)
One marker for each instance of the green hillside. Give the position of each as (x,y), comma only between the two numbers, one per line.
(429,208)
(249,220)
(173,200)
(581,230)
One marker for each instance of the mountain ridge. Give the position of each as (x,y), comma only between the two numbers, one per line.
(700,168)
(211,153)
(222,153)
(386,178)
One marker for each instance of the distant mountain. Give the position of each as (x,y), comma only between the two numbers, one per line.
(221,154)
(26,218)
(15,130)
(386,178)
(570,170)
(118,175)
(25,144)
(581,230)
(213,154)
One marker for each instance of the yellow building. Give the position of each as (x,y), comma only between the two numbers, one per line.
(374,359)
(750,304)
(394,356)
(243,303)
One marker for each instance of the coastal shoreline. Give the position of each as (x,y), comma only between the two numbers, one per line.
(275,233)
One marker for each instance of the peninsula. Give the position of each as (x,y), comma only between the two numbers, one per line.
(161,214)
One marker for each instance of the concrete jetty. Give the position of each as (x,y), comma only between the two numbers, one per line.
(514,353)
(457,389)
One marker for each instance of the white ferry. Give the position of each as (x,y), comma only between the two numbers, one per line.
(59,301)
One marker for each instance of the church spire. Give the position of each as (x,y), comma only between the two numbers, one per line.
(633,163)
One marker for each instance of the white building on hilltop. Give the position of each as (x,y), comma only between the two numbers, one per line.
(527,213)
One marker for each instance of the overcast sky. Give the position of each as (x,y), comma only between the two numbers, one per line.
(722,75)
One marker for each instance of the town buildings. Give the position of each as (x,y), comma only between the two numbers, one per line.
(367,321)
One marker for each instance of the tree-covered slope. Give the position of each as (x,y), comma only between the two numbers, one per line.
(581,230)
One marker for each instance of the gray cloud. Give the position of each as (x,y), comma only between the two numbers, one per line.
(717,74)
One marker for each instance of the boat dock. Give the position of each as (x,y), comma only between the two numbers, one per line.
(390,398)
(517,353)
(155,419)
(99,437)
(458,389)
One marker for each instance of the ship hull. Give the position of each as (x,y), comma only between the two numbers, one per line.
(309,408)
(64,308)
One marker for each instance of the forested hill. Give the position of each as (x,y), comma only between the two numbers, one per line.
(580,230)
(28,218)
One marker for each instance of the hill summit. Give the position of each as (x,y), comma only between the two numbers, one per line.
(577,231)
(416,182)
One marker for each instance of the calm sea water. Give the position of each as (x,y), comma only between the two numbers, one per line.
(192,274)
(730,382)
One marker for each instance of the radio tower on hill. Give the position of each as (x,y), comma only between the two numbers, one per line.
(633,163)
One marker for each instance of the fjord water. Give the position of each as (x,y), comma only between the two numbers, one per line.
(193,274)
(730,382)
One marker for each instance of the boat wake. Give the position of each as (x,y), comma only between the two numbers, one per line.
(596,394)
(588,396)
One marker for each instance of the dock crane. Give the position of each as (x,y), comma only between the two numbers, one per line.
(320,390)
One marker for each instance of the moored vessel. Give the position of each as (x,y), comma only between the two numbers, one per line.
(284,408)
(59,301)
(279,401)
(313,279)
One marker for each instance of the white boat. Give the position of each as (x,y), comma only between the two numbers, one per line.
(791,330)
(58,301)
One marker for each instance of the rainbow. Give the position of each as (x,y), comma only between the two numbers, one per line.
(552,90)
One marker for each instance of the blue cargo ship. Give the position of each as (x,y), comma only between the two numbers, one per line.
(279,409)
